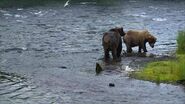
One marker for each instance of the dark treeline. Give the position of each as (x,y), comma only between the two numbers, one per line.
(30,3)
(26,3)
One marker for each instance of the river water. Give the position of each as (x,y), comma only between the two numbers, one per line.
(48,53)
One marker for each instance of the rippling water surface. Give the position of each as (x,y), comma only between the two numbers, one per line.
(48,53)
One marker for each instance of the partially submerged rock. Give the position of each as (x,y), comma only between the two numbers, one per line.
(111,85)
(98,68)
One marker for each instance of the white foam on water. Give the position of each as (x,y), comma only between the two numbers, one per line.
(7,14)
(19,9)
(37,13)
(3,11)
(20,21)
(152,7)
(143,15)
(84,3)
(159,19)
(19,16)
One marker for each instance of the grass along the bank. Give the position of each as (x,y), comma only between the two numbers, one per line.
(163,71)
(170,71)
(181,43)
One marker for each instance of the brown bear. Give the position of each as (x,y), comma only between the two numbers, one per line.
(138,38)
(112,41)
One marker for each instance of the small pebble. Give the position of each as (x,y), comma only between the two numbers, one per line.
(63,67)
(111,85)
(98,68)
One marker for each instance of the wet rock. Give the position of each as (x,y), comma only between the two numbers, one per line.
(19,50)
(111,85)
(98,68)
(182,82)
(142,54)
(63,67)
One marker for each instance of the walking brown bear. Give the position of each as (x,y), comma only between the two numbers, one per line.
(112,41)
(138,38)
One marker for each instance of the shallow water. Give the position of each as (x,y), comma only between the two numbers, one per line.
(52,52)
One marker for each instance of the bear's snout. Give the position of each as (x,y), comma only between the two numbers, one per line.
(152,45)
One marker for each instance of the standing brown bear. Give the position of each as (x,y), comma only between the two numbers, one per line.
(112,41)
(138,38)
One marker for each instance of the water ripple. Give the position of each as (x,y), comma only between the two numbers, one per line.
(55,47)
(159,19)
(18,89)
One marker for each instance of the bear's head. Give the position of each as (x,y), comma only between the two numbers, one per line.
(150,39)
(119,30)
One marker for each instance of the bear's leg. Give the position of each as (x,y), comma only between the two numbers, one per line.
(119,49)
(106,54)
(129,49)
(139,50)
(144,47)
(114,54)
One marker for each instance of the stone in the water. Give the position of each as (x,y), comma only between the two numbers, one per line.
(98,68)
(111,85)
(63,67)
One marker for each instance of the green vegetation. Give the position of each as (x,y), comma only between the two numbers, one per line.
(170,71)
(181,43)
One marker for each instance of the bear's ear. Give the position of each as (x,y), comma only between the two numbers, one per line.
(121,28)
(113,29)
(122,32)
(146,32)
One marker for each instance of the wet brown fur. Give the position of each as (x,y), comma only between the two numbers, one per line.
(138,38)
(112,41)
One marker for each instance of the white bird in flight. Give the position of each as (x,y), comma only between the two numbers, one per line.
(67,3)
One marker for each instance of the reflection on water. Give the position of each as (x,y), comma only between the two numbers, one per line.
(56,50)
